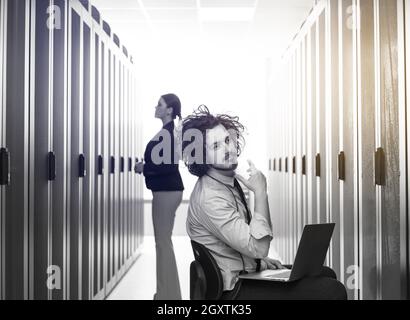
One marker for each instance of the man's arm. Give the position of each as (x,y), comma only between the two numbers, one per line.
(223,220)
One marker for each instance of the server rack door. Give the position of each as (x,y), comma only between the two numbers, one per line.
(119,192)
(15,134)
(312,184)
(285,176)
(296,172)
(133,139)
(87,163)
(75,185)
(42,160)
(104,136)
(126,169)
(141,181)
(131,155)
(138,144)
(120,169)
(108,141)
(104,186)
(115,118)
(334,147)
(100,196)
(367,103)
(135,144)
(347,143)
(59,213)
(293,122)
(129,159)
(291,148)
(110,120)
(321,119)
(303,134)
(98,220)
(404,221)
(406,150)
(133,176)
(3,20)
(389,242)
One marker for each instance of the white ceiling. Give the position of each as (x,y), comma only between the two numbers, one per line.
(263,26)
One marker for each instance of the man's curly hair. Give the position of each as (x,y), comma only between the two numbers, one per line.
(202,120)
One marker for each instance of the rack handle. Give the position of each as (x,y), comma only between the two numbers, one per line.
(342,166)
(112,165)
(100,165)
(4,167)
(51,164)
(380,167)
(81,165)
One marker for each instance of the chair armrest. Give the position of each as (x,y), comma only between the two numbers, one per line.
(197,282)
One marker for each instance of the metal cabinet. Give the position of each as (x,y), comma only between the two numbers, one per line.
(343,113)
(69,198)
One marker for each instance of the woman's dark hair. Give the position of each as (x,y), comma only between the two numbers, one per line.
(203,120)
(173,102)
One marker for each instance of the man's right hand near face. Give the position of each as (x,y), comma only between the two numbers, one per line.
(258,185)
(256,182)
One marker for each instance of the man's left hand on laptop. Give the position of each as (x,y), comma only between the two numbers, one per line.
(273,264)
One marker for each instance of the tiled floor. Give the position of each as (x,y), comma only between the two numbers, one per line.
(139,282)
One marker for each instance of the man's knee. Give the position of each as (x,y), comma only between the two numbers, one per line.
(328,272)
(332,289)
(339,291)
(323,288)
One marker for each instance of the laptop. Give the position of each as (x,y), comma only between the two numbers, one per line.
(309,260)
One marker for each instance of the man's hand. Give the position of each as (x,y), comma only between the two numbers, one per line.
(256,182)
(139,168)
(273,264)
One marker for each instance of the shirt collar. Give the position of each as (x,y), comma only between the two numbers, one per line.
(230,181)
(169,125)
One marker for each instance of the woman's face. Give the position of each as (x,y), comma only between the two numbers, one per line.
(162,110)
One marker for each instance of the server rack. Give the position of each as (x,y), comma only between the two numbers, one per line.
(346,77)
(68,113)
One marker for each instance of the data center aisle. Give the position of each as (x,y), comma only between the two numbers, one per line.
(139,283)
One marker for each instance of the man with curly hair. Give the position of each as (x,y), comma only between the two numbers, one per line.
(219,217)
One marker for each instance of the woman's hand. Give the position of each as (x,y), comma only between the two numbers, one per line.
(139,168)
(273,264)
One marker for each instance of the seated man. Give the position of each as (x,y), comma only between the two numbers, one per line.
(219,218)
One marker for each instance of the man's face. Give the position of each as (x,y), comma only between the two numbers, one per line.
(221,149)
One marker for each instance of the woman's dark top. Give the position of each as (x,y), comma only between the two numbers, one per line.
(162,177)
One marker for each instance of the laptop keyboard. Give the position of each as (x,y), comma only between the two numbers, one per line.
(281,275)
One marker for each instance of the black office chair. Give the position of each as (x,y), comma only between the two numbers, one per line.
(206,281)
(206,278)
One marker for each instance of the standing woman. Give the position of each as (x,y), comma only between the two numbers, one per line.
(164,180)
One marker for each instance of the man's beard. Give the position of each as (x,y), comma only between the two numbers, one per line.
(232,167)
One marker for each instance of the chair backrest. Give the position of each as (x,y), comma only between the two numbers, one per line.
(214,281)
